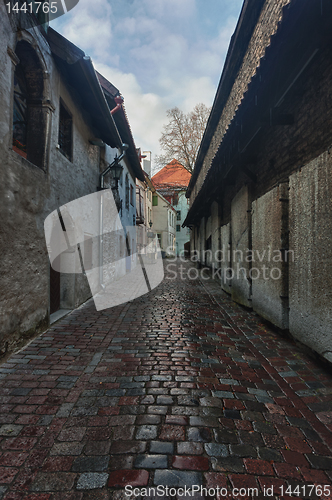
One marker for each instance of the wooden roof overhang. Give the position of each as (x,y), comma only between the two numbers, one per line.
(304,30)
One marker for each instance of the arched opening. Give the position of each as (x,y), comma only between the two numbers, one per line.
(20,112)
(29,116)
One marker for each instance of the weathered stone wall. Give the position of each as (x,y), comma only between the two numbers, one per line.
(29,194)
(208,236)
(280,155)
(202,239)
(215,234)
(269,271)
(24,265)
(226,262)
(240,235)
(310,281)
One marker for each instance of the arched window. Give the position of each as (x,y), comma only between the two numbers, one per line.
(20,112)
(127,192)
(30,116)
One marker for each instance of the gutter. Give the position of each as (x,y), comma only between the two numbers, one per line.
(90,74)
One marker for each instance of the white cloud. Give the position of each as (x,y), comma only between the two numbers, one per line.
(90,28)
(159,54)
(146,111)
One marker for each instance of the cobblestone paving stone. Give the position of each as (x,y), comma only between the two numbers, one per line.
(178,387)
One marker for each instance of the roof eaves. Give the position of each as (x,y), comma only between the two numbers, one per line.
(249,16)
(122,122)
(79,72)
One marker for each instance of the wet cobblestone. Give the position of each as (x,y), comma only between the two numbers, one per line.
(180,387)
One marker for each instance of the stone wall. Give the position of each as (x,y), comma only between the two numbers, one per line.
(310,281)
(226,262)
(215,234)
(275,194)
(241,236)
(29,193)
(269,272)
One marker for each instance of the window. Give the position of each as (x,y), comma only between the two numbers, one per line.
(20,112)
(178,215)
(30,111)
(178,228)
(140,206)
(155,200)
(65,132)
(127,192)
(131,195)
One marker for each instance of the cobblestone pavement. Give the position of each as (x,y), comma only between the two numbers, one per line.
(180,387)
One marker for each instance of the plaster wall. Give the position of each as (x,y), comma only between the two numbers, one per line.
(269,270)
(215,234)
(183,235)
(225,261)
(240,235)
(310,282)
(201,240)
(162,217)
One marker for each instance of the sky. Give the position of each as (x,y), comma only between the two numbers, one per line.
(158,53)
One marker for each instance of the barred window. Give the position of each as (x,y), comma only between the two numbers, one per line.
(131,195)
(127,192)
(65,132)
(29,134)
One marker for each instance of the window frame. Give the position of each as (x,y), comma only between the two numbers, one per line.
(127,192)
(39,105)
(63,107)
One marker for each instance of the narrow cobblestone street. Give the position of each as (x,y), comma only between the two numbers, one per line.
(180,387)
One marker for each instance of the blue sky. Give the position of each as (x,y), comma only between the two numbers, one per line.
(158,53)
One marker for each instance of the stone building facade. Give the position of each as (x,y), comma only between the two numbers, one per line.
(164,219)
(260,195)
(172,182)
(57,133)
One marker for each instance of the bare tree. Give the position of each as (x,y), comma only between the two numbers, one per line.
(182,136)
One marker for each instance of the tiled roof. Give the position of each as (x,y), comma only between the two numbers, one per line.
(107,85)
(173,175)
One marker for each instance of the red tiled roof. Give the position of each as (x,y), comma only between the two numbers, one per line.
(173,175)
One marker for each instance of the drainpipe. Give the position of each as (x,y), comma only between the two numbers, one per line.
(116,160)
